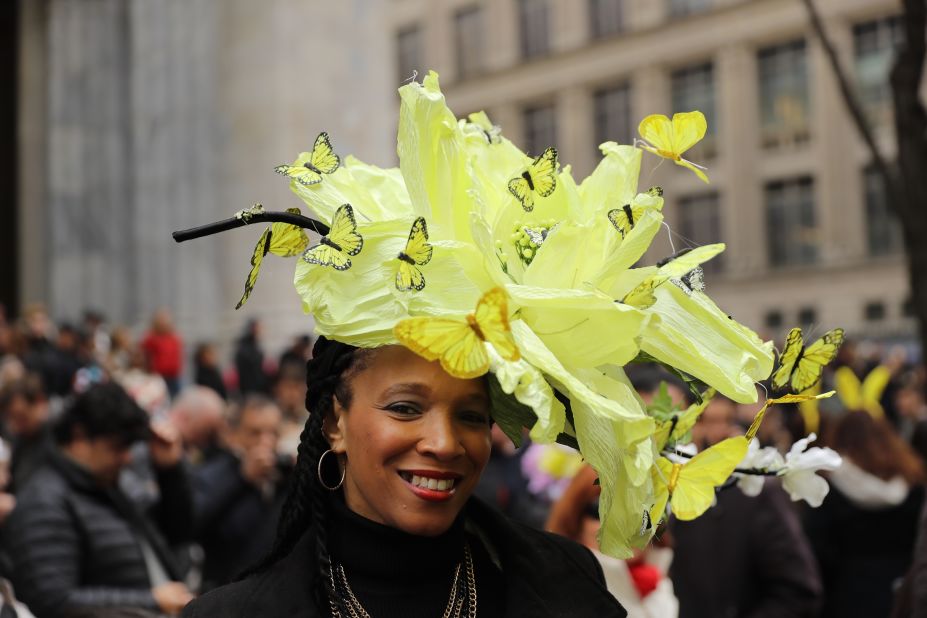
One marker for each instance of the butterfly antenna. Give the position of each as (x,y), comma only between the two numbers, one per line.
(411,79)
(765,391)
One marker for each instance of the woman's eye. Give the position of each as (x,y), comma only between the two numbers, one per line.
(402,409)
(476,418)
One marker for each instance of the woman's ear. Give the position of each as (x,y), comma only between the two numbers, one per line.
(333,426)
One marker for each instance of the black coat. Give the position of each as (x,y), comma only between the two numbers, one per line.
(745,558)
(545,576)
(74,544)
(235,521)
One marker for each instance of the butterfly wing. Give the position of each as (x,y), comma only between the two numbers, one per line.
(689,416)
(417,247)
(324,255)
(816,356)
(409,277)
(519,187)
(688,129)
(454,343)
(620,220)
(323,156)
(299,172)
(660,474)
(343,231)
(492,318)
(695,489)
(260,250)
(286,239)
(543,172)
(793,348)
(657,130)
(874,385)
(642,296)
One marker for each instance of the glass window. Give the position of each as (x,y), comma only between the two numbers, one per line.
(613,115)
(409,52)
(700,224)
(784,100)
(874,45)
(874,311)
(540,128)
(883,230)
(807,318)
(773,319)
(468,26)
(682,8)
(606,17)
(693,88)
(791,229)
(533,18)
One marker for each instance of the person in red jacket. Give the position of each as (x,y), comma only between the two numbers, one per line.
(164,350)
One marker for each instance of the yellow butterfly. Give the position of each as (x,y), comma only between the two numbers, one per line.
(458,344)
(540,177)
(758,419)
(417,253)
(283,239)
(676,428)
(670,138)
(642,296)
(690,487)
(865,395)
(341,242)
(309,166)
(800,367)
(625,217)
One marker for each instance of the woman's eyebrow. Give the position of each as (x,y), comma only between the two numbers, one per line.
(407,388)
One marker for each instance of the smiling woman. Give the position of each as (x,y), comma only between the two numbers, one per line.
(393,529)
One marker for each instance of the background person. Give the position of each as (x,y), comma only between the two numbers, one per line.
(75,540)
(239,493)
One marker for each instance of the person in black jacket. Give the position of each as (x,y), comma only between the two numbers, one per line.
(239,493)
(77,543)
(381,520)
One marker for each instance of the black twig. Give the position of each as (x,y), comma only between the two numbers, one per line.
(264,217)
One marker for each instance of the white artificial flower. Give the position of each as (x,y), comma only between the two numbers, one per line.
(766,459)
(682,453)
(798,476)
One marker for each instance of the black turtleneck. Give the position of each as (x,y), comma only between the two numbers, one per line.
(396,574)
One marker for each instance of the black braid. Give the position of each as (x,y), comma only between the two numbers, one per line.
(306,503)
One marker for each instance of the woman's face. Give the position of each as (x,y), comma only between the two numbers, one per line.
(413,441)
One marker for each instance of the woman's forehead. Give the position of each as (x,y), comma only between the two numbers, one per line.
(394,369)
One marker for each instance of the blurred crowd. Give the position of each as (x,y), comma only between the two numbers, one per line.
(131,481)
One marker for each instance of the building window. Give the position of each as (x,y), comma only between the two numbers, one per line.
(883,230)
(409,51)
(791,228)
(693,88)
(773,319)
(907,307)
(606,17)
(613,115)
(784,100)
(807,318)
(700,224)
(533,20)
(468,27)
(683,8)
(874,46)
(540,128)
(874,311)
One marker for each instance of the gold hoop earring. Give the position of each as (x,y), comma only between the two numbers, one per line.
(319,473)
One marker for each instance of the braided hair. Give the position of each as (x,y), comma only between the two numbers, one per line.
(306,504)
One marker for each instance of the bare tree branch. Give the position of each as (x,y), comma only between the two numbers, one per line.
(857,113)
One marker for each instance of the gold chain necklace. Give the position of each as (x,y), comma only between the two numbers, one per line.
(455,603)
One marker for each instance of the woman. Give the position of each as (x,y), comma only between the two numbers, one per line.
(532,316)
(393,530)
(864,532)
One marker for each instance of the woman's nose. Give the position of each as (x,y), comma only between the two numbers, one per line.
(440,437)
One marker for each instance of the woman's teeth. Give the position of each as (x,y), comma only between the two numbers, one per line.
(429,483)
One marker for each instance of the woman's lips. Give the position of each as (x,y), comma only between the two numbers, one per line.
(431,485)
